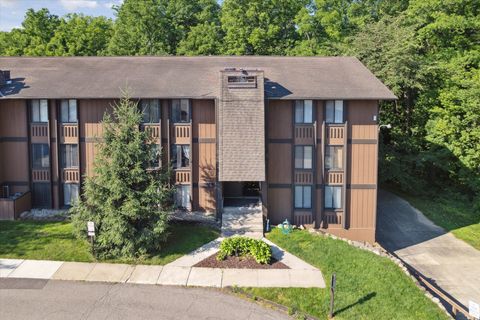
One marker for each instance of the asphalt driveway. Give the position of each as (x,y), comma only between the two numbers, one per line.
(451,263)
(53,299)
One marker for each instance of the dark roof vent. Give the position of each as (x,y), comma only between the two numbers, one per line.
(4,77)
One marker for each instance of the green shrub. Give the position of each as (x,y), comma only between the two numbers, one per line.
(243,246)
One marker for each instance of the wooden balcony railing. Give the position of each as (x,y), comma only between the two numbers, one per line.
(69,133)
(40,175)
(334,177)
(39,129)
(333,217)
(336,134)
(153,130)
(182,133)
(70,175)
(303,218)
(182,177)
(303,177)
(304,134)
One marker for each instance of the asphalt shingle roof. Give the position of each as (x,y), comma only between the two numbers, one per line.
(187,77)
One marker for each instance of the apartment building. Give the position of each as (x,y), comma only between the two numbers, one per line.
(299,134)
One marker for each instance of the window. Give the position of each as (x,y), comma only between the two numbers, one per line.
(68,111)
(182,197)
(303,111)
(41,195)
(150,110)
(70,193)
(39,110)
(334,111)
(69,156)
(333,197)
(40,156)
(303,197)
(180,156)
(303,157)
(334,158)
(155,160)
(181,110)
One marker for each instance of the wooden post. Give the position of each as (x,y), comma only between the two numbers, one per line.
(332,294)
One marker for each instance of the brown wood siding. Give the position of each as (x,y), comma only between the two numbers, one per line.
(14,162)
(90,127)
(280,119)
(204,154)
(279,163)
(362,160)
(279,205)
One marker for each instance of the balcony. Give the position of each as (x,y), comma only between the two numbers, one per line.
(71,175)
(303,177)
(69,133)
(153,131)
(304,134)
(334,177)
(40,175)
(183,176)
(336,134)
(182,133)
(39,132)
(333,219)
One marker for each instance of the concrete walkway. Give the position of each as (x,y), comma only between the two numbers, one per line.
(178,273)
(451,263)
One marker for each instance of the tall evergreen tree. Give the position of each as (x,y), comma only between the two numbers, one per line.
(128,203)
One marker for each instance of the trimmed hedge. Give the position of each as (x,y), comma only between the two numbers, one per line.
(243,246)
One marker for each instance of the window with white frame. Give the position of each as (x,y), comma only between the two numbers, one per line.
(333,197)
(40,156)
(334,111)
(303,157)
(180,156)
(303,197)
(150,109)
(182,197)
(68,111)
(181,112)
(39,110)
(334,158)
(70,193)
(303,111)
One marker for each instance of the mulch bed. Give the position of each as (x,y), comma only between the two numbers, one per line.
(239,263)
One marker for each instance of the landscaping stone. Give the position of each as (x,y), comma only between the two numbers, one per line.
(8,265)
(240,278)
(45,214)
(110,272)
(145,274)
(205,277)
(74,271)
(174,276)
(36,269)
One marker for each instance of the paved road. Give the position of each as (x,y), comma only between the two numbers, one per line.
(450,262)
(42,299)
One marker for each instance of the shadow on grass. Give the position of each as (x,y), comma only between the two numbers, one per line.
(360,301)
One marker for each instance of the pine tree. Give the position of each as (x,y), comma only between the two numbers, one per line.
(128,203)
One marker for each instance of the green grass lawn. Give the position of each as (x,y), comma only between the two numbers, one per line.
(453,212)
(55,241)
(368,286)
